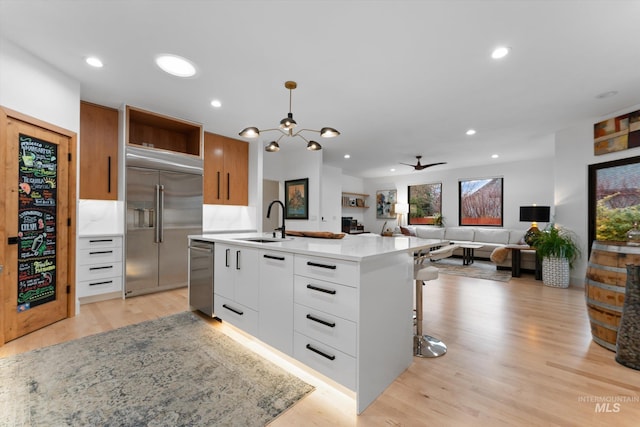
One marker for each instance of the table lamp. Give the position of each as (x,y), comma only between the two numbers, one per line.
(401,209)
(534,214)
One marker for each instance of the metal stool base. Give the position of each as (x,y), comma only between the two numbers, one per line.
(428,346)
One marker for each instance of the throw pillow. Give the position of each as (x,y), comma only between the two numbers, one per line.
(407,232)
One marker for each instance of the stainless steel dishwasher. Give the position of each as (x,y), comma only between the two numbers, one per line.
(201,276)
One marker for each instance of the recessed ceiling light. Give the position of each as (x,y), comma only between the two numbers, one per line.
(471,132)
(347,156)
(392,170)
(494,156)
(94,61)
(608,94)
(500,52)
(215,103)
(176,65)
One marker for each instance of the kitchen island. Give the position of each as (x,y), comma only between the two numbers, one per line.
(343,307)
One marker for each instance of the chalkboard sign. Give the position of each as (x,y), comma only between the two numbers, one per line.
(37,215)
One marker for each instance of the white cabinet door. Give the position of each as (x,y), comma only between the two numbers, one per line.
(223,271)
(236,274)
(247,269)
(276,300)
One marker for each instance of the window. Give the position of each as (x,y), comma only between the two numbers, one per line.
(425,204)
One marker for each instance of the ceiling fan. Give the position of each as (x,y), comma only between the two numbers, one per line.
(419,166)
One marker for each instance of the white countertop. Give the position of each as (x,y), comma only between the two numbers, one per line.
(351,247)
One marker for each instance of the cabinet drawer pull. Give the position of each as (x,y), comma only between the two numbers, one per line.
(319,289)
(228,187)
(100,240)
(321,353)
(279,258)
(106,267)
(238,312)
(316,264)
(218,173)
(109,174)
(101,283)
(237,260)
(226,257)
(324,322)
(100,252)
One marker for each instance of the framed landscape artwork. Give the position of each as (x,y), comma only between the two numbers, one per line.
(480,202)
(425,203)
(386,204)
(614,199)
(296,199)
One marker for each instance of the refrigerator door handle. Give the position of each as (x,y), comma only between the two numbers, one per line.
(161,214)
(156,222)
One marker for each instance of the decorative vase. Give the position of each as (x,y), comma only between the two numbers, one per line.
(555,272)
(633,235)
(628,340)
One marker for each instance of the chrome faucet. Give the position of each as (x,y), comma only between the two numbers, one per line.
(281,229)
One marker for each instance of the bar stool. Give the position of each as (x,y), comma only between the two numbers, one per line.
(425,345)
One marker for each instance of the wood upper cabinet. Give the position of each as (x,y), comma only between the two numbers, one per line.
(155,131)
(98,152)
(226,170)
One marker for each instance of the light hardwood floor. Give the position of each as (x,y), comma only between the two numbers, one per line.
(520,354)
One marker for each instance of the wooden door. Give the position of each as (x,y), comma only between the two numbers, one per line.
(236,173)
(213,190)
(98,152)
(35,227)
(226,170)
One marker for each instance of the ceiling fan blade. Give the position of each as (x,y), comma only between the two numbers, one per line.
(407,164)
(433,164)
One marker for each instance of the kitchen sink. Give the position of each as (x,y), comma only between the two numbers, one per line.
(262,239)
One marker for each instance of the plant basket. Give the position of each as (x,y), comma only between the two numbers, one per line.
(555,272)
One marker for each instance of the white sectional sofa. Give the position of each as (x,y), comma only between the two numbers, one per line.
(490,239)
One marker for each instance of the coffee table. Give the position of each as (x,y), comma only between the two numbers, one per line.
(468,252)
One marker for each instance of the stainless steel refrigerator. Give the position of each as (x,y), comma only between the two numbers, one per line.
(164,206)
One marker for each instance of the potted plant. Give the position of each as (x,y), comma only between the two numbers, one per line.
(558,250)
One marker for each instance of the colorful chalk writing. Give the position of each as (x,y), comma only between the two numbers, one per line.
(36,222)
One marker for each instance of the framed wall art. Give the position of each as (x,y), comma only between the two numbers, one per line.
(296,199)
(480,202)
(385,204)
(614,199)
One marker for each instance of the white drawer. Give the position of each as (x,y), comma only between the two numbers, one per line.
(330,269)
(99,271)
(99,255)
(327,360)
(326,328)
(99,286)
(100,242)
(332,298)
(238,315)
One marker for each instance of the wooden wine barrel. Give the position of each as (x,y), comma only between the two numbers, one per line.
(605,286)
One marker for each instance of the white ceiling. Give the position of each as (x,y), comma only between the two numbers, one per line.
(397,78)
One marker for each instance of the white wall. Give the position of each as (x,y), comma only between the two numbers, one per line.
(525,183)
(294,161)
(573,155)
(33,87)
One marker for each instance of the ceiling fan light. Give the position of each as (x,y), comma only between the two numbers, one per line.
(314,146)
(272,147)
(328,132)
(250,132)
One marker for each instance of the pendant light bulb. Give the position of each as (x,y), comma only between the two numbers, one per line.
(272,147)
(314,146)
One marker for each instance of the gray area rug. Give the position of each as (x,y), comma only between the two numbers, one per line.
(479,269)
(172,371)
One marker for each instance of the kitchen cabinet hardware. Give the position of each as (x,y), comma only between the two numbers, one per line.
(237,260)
(324,322)
(100,252)
(106,282)
(238,312)
(317,264)
(106,267)
(319,289)
(321,353)
(279,258)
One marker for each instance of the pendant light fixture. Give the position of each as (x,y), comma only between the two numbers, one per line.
(287,125)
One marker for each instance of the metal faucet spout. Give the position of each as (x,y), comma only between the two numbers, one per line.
(281,229)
